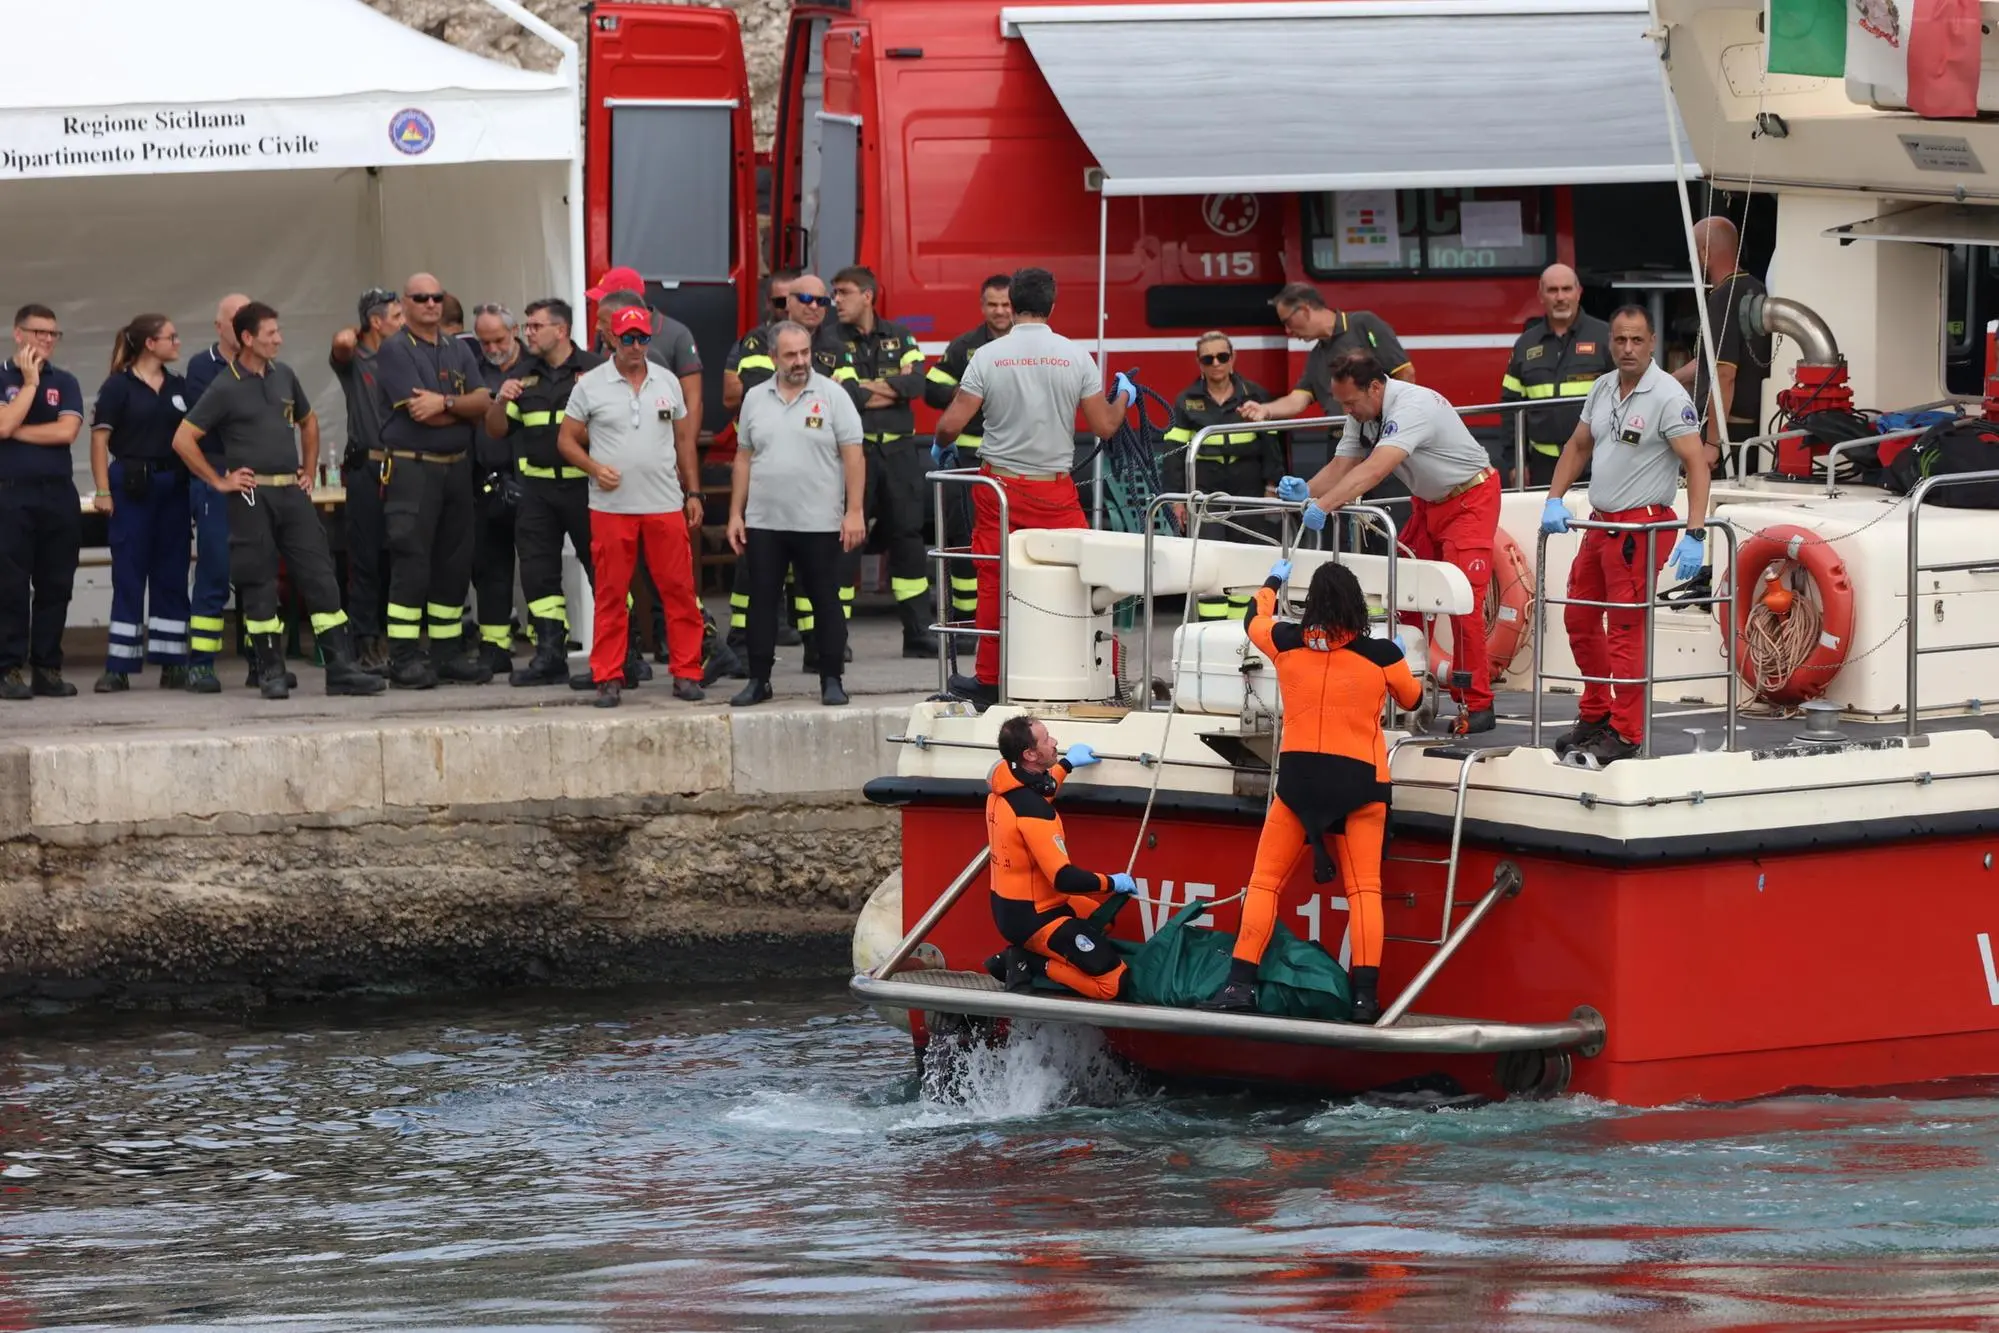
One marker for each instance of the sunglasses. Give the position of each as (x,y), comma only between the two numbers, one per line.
(811,300)
(1216,358)
(426,298)
(634,339)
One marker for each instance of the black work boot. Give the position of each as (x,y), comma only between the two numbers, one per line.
(49,684)
(496,659)
(272,678)
(1362,981)
(1582,733)
(112,682)
(831,692)
(917,640)
(371,654)
(1233,997)
(455,666)
(255,679)
(407,668)
(755,691)
(343,674)
(173,678)
(550,663)
(13,688)
(718,658)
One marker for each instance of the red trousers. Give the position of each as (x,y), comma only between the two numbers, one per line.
(1611,567)
(1459,531)
(1029,504)
(614,554)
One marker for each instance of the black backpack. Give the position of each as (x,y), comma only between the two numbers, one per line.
(1969,445)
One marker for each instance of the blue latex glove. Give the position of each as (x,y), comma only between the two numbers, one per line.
(1121,384)
(1293,490)
(943,455)
(1080,755)
(1281,570)
(1554,516)
(1313,517)
(1123,883)
(1689,554)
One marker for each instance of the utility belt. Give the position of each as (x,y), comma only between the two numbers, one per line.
(528,469)
(287,480)
(1485,474)
(389,457)
(148,464)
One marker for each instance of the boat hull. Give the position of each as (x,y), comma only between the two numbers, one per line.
(1717,979)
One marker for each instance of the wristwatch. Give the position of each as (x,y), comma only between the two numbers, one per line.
(1698,534)
(449,399)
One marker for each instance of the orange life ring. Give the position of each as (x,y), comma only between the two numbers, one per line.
(1768,557)
(1509,608)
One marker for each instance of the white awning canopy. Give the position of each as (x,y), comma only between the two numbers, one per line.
(141,87)
(1932,224)
(1356,94)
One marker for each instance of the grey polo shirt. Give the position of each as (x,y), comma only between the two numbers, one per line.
(796,482)
(1421,422)
(1031,382)
(632,431)
(1632,463)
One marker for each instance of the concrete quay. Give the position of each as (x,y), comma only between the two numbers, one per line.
(172,849)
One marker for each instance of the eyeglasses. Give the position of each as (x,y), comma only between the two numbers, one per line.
(1215,358)
(168,337)
(535,326)
(53,335)
(777,302)
(805,300)
(634,339)
(426,298)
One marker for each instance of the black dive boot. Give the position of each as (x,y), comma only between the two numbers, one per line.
(550,663)
(343,673)
(1362,981)
(1238,993)
(407,668)
(272,678)
(917,640)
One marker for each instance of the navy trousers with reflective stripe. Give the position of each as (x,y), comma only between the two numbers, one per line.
(149,555)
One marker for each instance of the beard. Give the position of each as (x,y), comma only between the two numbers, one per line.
(500,358)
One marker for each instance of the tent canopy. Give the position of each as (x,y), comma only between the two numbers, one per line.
(300,151)
(1356,94)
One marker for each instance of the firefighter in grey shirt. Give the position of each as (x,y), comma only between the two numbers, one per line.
(1030,384)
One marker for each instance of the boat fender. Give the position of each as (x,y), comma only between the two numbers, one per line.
(876,933)
(1509,609)
(1781,556)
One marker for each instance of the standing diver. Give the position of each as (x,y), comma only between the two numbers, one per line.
(1332,775)
(1038,896)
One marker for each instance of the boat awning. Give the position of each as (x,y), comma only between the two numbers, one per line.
(1356,94)
(1930,224)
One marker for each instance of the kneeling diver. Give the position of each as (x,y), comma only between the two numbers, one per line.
(1332,775)
(1037,895)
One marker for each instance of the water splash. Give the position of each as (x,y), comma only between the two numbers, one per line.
(1040,1067)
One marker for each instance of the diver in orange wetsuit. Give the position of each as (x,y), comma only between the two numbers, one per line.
(1039,899)
(1332,772)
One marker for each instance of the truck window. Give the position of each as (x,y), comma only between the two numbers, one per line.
(672,193)
(836,235)
(1371,233)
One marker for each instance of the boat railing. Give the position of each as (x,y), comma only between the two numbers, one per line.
(1734,449)
(1985,564)
(948,629)
(1517,410)
(1649,605)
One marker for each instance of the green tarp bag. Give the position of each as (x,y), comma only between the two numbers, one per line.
(1183,964)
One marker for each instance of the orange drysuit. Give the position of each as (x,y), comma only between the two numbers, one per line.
(1332,774)
(1038,898)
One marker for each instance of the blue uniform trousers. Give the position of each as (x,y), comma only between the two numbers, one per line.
(149,542)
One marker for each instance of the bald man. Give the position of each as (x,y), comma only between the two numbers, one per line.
(209,513)
(1559,355)
(430,396)
(1733,410)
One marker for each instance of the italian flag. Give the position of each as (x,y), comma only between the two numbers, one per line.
(1921,52)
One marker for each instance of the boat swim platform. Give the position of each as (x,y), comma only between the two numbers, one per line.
(936,990)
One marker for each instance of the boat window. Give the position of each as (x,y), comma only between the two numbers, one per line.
(1971,302)
(1490,231)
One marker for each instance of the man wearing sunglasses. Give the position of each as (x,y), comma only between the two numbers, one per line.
(1243,462)
(41,527)
(621,428)
(353,361)
(430,395)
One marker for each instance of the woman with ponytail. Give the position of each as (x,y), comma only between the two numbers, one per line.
(144,489)
(1332,772)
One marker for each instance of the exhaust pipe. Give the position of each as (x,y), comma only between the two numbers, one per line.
(1775,314)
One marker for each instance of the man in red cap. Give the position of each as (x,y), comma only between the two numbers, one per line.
(645,490)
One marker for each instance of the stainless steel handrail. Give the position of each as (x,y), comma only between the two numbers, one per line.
(1651,531)
(1916,652)
(943,554)
(1505,884)
(1519,408)
(1832,454)
(945,902)
(1260,504)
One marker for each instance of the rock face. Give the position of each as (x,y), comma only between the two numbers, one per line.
(479,28)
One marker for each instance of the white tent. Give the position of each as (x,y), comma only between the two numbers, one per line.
(155,155)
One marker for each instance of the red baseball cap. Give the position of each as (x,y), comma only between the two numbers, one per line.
(632,319)
(617,280)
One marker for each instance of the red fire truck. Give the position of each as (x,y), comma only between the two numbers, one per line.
(1183,160)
